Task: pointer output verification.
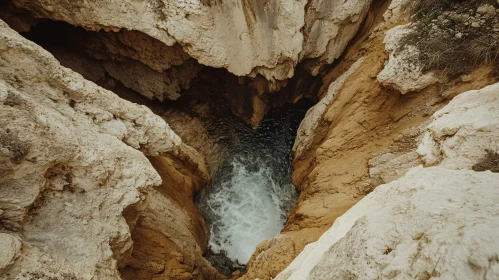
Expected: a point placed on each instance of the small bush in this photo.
(490, 162)
(453, 36)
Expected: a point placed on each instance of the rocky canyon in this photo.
(248, 139)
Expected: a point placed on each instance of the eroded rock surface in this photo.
(73, 163)
(329, 27)
(11, 250)
(135, 60)
(217, 34)
(432, 222)
(76, 184)
(264, 41)
(463, 132)
(368, 136)
(239, 36)
(402, 71)
(308, 126)
(193, 131)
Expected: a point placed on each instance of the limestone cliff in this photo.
(238, 35)
(262, 40)
(75, 181)
(464, 132)
(393, 162)
(433, 222)
(365, 131)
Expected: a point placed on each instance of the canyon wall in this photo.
(156, 48)
(365, 132)
(245, 37)
(261, 40)
(93, 186)
(76, 185)
(439, 221)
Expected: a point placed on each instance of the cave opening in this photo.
(250, 194)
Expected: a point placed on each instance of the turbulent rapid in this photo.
(251, 194)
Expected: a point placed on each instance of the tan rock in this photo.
(152, 84)
(391, 166)
(77, 184)
(232, 35)
(461, 134)
(329, 27)
(10, 246)
(432, 221)
(238, 36)
(403, 71)
(434, 210)
(368, 136)
(487, 10)
(264, 41)
(134, 59)
(399, 11)
(312, 120)
(193, 131)
(74, 178)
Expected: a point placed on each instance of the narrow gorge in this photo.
(245, 139)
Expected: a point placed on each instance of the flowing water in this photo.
(252, 194)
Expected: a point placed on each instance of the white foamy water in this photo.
(251, 194)
(250, 207)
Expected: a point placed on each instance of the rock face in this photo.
(308, 127)
(139, 62)
(433, 222)
(69, 181)
(264, 41)
(366, 136)
(217, 34)
(400, 71)
(463, 132)
(169, 236)
(240, 36)
(11, 249)
(426, 224)
(399, 11)
(95, 187)
(193, 132)
(329, 27)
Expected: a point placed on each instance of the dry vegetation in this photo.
(490, 162)
(455, 36)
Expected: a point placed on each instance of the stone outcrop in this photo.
(426, 223)
(264, 41)
(433, 222)
(139, 62)
(240, 36)
(367, 136)
(399, 11)
(329, 27)
(463, 132)
(402, 70)
(217, 34)
(74, 179)
(95, 187)
(193, 131)
(11, 250)
(309, 125)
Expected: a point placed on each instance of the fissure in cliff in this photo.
(250, 194)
